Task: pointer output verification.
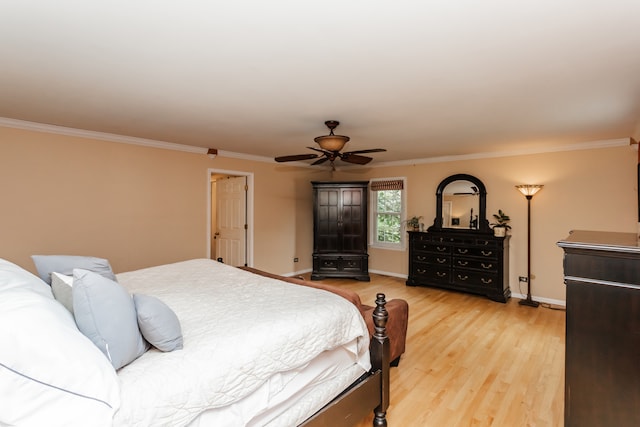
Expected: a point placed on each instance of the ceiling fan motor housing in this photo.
(332, 124)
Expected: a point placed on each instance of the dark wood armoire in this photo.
(340, 230)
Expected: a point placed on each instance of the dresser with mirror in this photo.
(459, 251)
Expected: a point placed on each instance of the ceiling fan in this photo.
(330, 147)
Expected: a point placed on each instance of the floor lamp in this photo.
(529, 191)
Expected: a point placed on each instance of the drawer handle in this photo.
(441, 260)
(462, 251)
(421, 258)
(441, 248)
(487, 253)
(484, 242)
(421, 271)
(486, 281)
(441, 274)
(486, 266)
(463, 263)
(352, 263)
(461, 277)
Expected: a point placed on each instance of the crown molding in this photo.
(103, 136)
(620, 142)
(244, 156)
(123, 139)
(111, 137)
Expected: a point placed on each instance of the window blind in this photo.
(391, 184)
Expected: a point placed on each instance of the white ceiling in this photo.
(422, 79)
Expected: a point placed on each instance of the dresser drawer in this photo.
(351, 263)
(488, 253)
(489, 265)
(464, 277)
(432, 258)
(338, 263)
(326, 264)
(427, 273)
(488, 243)
(438, 248)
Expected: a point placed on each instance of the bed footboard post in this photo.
(380, 354)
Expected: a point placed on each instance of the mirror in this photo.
(461, 204)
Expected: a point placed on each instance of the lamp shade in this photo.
(528, 189)
(332, 142)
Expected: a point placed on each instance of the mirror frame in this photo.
(483, 223)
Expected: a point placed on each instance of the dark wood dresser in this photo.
(468, 262)
(602, 364)
(340, 230)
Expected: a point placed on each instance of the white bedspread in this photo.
(239, 329)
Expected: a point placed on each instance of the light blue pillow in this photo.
(105, 313)
(64, 264)
(158, 323)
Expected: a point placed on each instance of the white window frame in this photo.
(373, 213)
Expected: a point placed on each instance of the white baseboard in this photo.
(551, 301)
(383, 273)
(386, 273)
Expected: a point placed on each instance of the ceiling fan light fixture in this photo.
(330, 149)
(332, 142)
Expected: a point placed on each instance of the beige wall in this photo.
(584, 189)
(141, 206)
(137, 206)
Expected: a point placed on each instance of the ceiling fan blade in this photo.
(354, 158)
(320, 161)
(371, 150)
(295, 157)
(320, 150)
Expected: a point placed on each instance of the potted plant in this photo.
(413, 222)
(500, 226)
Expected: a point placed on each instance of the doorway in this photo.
(230, 217)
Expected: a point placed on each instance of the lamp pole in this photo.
(529, 191)
(529, 302)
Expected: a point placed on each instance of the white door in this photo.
(231, 213)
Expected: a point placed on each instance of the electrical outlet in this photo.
(295, 259)
(523, 279)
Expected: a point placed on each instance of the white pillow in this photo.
(12, 276)
(62, 286)
(106, 314)
(50, 374)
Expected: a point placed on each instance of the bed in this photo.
(253, 351)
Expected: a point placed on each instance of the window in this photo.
(387, 211)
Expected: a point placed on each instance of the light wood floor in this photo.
(471, 361)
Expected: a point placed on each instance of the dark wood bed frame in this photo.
(370, 392)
